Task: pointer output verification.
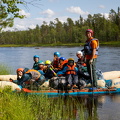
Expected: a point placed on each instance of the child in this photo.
(70, 72)
(41, 67)
(48, 70)
(36, 60)
(55, 61)
(62, 63)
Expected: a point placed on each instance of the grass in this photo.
(19, 106)
(110, 43)
(4, 70)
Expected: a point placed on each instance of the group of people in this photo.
(60, 66)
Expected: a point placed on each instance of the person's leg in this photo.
(41, 80)
(82, 75)
(68, 79)
(94, 73)
(74, 79)
(88, 68)
(93, 67)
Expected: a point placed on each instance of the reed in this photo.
(19, 106)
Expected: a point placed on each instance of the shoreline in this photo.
(111, 44)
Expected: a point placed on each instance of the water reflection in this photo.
(96, 107)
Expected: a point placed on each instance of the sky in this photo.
(49, 10)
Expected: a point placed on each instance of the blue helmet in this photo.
(57, 54)
(41, 62)
(36, 56)
(62, 58)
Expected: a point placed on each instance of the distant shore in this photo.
(111, 43)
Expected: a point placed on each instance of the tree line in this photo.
(105, 29)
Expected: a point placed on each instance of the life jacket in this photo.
(81, 62)
(71, 70)
(64, 63)
(35, 66)
(88, 49)
(55, 63)
(35, 74)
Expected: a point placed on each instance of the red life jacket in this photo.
(56, 63)
(61, 66)
(71, 70)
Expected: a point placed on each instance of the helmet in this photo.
(19, 69)
(57, 54)
(90, 30)
(25, 70)
(40, 62)
(79, 52)
(62, 58)
(70, 59)
(48, 62)
(36, 56)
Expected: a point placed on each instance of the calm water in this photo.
(107, 107)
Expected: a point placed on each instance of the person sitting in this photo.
(81, 65)
(41, 67)
(81, 59)
(62, 63)
(29, 76)
(70, 72)
(55, 61)
(19, 73)
(36, 60)
(48, 70)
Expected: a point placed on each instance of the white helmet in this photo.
(79, 52)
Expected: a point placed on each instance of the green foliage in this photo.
(9, 11)
(69, 32)
(18, 106)
(4, 70)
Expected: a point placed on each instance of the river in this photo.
(108, 60)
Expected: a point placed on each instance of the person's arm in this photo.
(94, 46)
(62, 71)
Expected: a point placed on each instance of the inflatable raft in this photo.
(11, 85)
(110, 84)
(73, 92)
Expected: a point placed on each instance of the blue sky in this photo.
(48, 10)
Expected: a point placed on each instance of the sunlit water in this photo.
(108, 107)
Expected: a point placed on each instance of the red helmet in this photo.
(19, 69)
(90, 30)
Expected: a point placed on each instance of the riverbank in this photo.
(111, 43)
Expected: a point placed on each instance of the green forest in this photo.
(105, 29)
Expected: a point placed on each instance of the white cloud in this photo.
(22, 12)
(106, 15)
(47, 20)
(101, 6)
(48, 13)
(77, 10)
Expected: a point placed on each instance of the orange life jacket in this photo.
(63, 64)
(71, 70)
(35, 74)
(84, 64)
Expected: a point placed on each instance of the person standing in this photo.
(91, 53)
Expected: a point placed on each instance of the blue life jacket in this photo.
(88, 49)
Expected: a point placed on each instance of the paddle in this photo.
(53, 71)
